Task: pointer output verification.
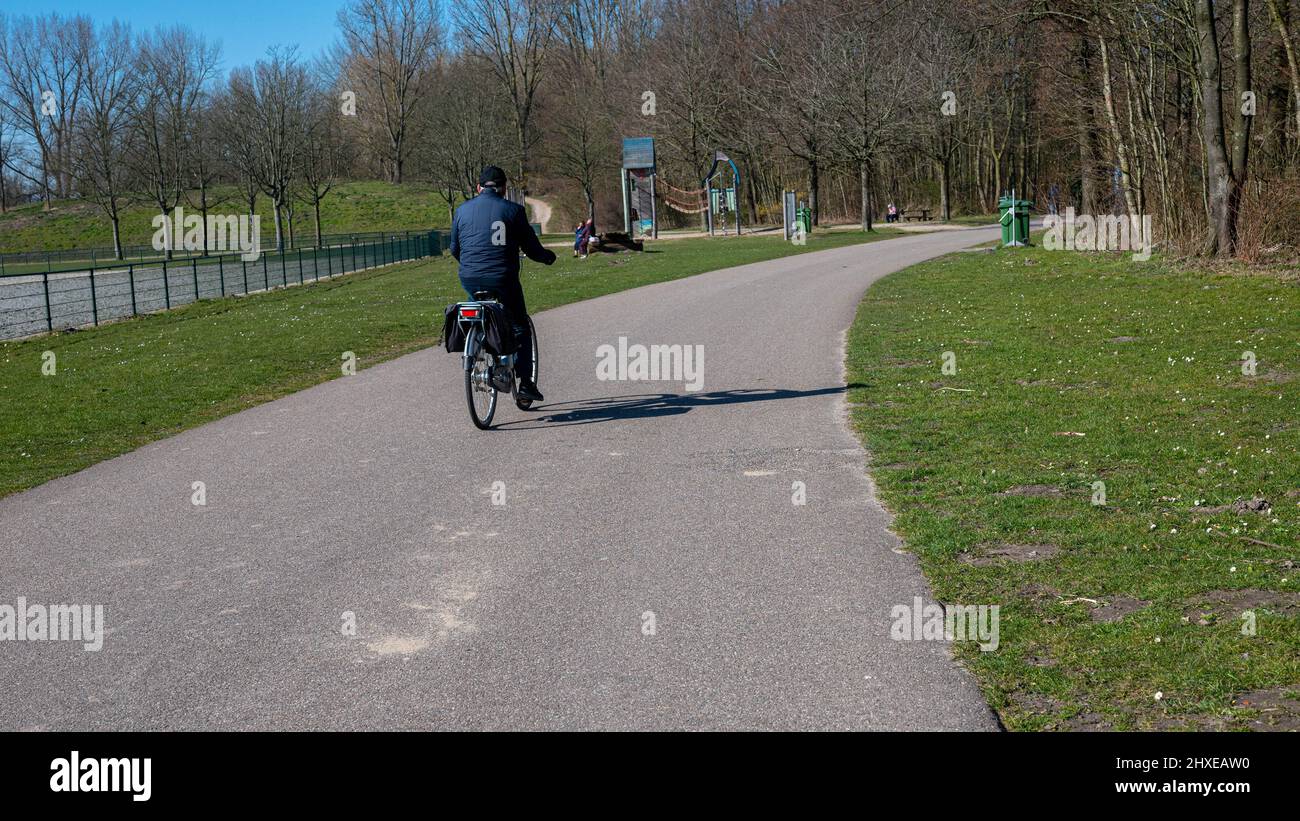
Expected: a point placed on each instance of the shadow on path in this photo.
(643, 406)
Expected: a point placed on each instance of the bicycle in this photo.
(486, 374)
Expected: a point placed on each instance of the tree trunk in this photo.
(814, 191)
(203, 211)
(167, 232)
(1278, 13)
(279, 237)
(1243, 121)
(866, 195)
(1219, 182)
(944, 206)
(117, 236)
(315, 207)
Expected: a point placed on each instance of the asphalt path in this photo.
(628, 555)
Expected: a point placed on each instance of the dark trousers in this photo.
(511, 295)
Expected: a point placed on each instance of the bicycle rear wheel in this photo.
(525, 404)
(480, 395)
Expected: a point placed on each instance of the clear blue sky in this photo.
(245, 28)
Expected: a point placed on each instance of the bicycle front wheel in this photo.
(480, 394)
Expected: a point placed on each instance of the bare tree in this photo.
(40, 67)
(462, 123)
(870, 96)
(513, 38)
(175, 66)
(322, 152)
(207, 161)
(270, 101)
(103, 134)
(389, 48)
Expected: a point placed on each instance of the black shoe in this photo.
(527, 390)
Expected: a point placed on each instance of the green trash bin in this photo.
(804, 217)
(1013, 215)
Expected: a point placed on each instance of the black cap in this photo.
(491, 175)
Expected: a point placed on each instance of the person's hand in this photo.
(551, 257)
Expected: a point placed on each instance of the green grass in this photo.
(351, 206)
(120, 386)
(974, 219)
(1145, 360)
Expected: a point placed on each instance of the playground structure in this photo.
(640, 180)
(722, 201)
(638, 176)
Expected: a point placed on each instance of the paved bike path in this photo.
(626, 504)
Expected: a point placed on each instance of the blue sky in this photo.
(245, 28)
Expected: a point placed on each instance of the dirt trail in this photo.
(541, 213)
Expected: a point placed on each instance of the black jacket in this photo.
(477, 223)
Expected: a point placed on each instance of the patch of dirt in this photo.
(1278, 708)
(1197, 723)
(1207, 608)
(1009, 552)
(1039, 704)
(1038, 592)
(1256, 504)
(1273, 377)
(1033, 490)
(1116, 608)
(1086, 723)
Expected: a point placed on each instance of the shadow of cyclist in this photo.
(644, 406)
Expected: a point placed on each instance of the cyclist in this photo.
(487, 234)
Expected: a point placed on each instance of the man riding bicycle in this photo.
(487, 234)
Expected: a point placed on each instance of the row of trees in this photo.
(145, 118)
(1185, 109)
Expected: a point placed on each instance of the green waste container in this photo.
(804, 217)
(1013, 214)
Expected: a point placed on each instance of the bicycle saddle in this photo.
(485, 296)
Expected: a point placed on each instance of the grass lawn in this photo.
(1077, 369)
(120, 386)
(351, 206)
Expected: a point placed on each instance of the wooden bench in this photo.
(912, 216)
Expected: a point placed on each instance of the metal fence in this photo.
(55, 300)
(105, 256)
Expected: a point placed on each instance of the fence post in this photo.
(299, 266)
(221, 272)
(130, 272)
(94, 303)
(329, 262)
(315, 263)
(266, 278)
(167, 288)
(354, 254)
(49, 318)
(244, 263)
(194, 269)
